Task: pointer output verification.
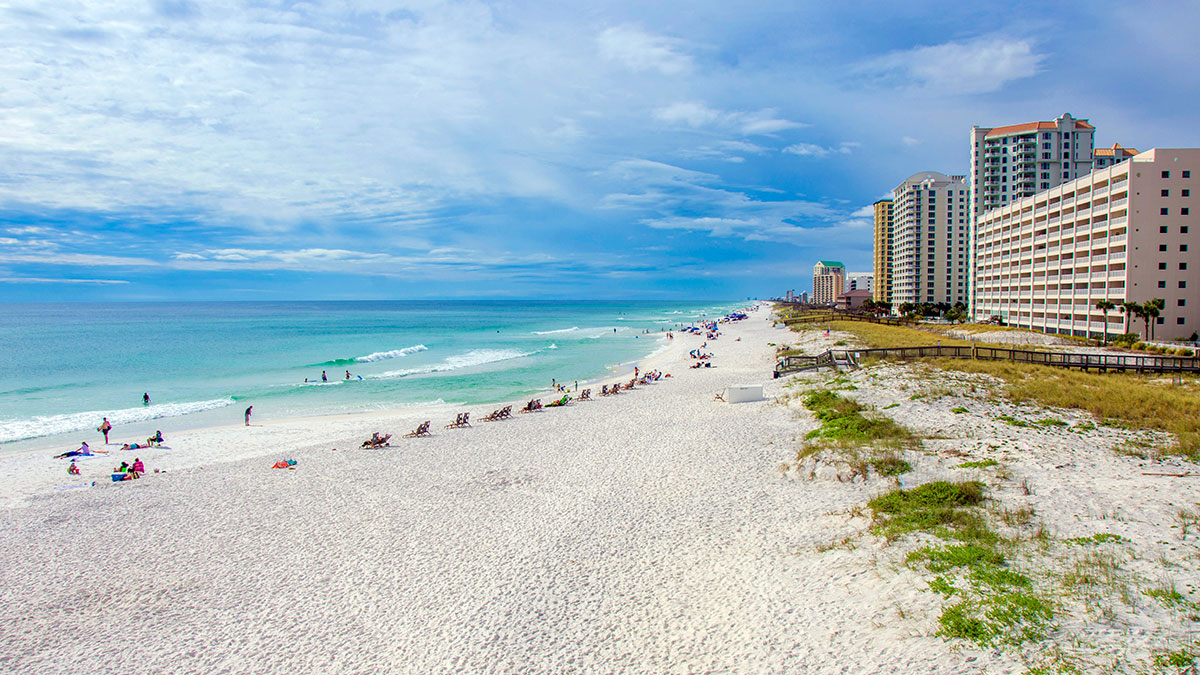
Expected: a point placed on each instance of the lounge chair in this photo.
(585, 395)
(532, 406)
(506, 412)
(460, 421)
(421, 430)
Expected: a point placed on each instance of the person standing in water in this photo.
(347, 374)
(323, 377)
(145, 399)
(248, 411)
(104, 428)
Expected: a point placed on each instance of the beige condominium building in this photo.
(882, 253)
(1015, 161)
(1121, 233)
(829, 281)
(930, 245)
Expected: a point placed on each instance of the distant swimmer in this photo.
(347, 374)
(323, 377)
(145, 399)
(248, 411)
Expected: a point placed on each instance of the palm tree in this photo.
(1141, 311)
(1104, 306)
(1153, 308)
(1131, 310)
(906, 308)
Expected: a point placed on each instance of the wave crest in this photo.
(49, 425)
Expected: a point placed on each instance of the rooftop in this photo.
(831, 263)
(1035, 126)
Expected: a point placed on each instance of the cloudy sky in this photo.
(262, 150)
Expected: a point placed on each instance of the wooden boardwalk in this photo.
(1135, 363)
(839, 316)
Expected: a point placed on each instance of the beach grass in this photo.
(1126, 399)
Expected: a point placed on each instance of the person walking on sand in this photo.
(248, 411)
(104, 428)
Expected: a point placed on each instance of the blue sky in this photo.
(302, 150)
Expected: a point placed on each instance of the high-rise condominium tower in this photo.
(1015, 161)
(930, 244)
(882, 291)
(829, 281)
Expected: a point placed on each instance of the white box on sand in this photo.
(742, 393)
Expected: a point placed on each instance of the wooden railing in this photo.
(1102, 362)
(846, 316)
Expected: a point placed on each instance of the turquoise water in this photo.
(64, 366)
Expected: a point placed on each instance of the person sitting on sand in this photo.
(155, 439)
(73, 470)
(138, 466)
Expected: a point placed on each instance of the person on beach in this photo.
(138, 466)
(73, 470)
(146, 399)
(248, 411)
(104, 428)
(347, 374)
(323, 377)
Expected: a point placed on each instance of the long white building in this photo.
(1123, 232)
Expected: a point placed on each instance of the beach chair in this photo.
(421, 430)
(585, 395)
(604, 390)
(460, 421)
(506, 412)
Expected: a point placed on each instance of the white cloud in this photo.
(42, 280)
(976, 66)
(747, 123)
(813, 150)
(909, 140)
(640, 51)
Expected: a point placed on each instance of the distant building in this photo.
(829, 281)
(1121, 233)
(883, 250)
(853, 299)
(1106, 157)
(859, 281)
(930, 246)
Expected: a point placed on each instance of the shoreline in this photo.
(31, 471)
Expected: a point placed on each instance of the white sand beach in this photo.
(655, 531)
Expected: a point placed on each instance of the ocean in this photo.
(65, 366)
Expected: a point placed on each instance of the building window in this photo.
(1162, 212)
(1161, 320)
(1186, 193)
(1183, 211)
(1181, 302)
(1183, 230)
(1162, 284)
(1162, 265)
(1183, 266)
(1183, 284)
(1166, 193)
(1187, 174)
(1183, 248)
(1167, 174)
(1162, 247)
(1179, 320)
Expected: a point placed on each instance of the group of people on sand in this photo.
(131, 471)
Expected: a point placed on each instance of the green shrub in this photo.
(930, 506)
(981, 464)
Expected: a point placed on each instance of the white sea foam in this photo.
(572, 329)
(48, 425)
(552, 346)
(475, 357)
(395, 353)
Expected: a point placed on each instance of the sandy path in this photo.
(649, 532)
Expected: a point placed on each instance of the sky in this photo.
(186, 150)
